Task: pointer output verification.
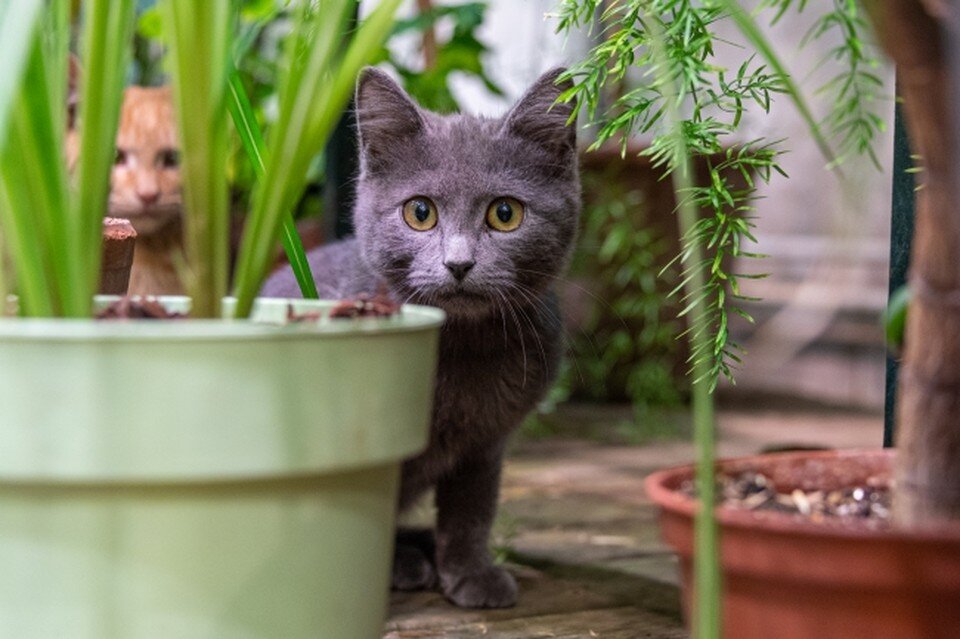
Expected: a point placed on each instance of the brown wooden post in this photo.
(117, 257)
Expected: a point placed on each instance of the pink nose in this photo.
(149, 197)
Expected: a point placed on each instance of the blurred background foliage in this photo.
(625, 347)
(428, 79)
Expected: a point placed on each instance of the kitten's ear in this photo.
(538, 117)
(386, 118)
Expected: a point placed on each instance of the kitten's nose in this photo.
(459, 269)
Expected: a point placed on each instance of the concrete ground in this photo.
(577, 530)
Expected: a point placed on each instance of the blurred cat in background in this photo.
(145, 188)
(144, 183)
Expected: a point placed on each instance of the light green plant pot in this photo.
(206, 479)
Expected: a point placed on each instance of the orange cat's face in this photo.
(145, 181)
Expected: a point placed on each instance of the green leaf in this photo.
(150, 24)
(312, 99)
(18, 19)
(34, 180)
(245, 123)
(200, 46)
(105, 47)
(895, 317)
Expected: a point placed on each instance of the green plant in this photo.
(50, 228)
(625, 346)
(51, 224)
(689, 104)
(262, 28)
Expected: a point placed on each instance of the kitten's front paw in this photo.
(412, 569)
(489, 587)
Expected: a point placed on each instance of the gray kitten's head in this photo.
(469, 214)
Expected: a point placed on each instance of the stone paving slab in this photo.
(555, 601)
(614, 623)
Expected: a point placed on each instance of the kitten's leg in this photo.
(466, 506)
(414, 555)
(414, 560)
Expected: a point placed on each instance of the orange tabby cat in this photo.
(145, 188)
(144, 183)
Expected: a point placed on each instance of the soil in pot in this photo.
(865, 504)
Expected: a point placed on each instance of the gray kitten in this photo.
(478, 217)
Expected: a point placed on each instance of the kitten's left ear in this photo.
(538, 117)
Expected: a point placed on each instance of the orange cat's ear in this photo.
(73, 89)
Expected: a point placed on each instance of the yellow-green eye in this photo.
(505, 214)
(420, 214)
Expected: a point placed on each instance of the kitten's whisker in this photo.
(536, 336)
(606, 304)
(566, 336)
(534, 302)
(516, 322)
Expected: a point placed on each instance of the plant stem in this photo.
(706, 599)
(751, 30)
(707, 574)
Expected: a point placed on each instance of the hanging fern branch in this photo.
(852, 122)
(714, 101)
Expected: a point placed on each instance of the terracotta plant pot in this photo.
(787, 577)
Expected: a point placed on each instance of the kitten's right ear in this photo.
(386, 118)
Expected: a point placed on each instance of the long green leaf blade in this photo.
(311, 104)
(247, 127)
(310, 55)
(18, 19)
(200, 35)
(706, 620)
(105, 48)
(18, 25)
(34, 175)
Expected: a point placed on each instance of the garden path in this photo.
(580, 535)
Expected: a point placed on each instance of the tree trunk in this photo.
(928, 405)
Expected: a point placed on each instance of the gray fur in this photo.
(500, 347)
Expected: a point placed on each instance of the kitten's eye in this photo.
(420, 214)
(168, 158)
(505, 214)
(120, 158)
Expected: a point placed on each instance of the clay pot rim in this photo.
(661, 488)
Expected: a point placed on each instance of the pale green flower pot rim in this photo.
(270, 322)
(160, 401)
